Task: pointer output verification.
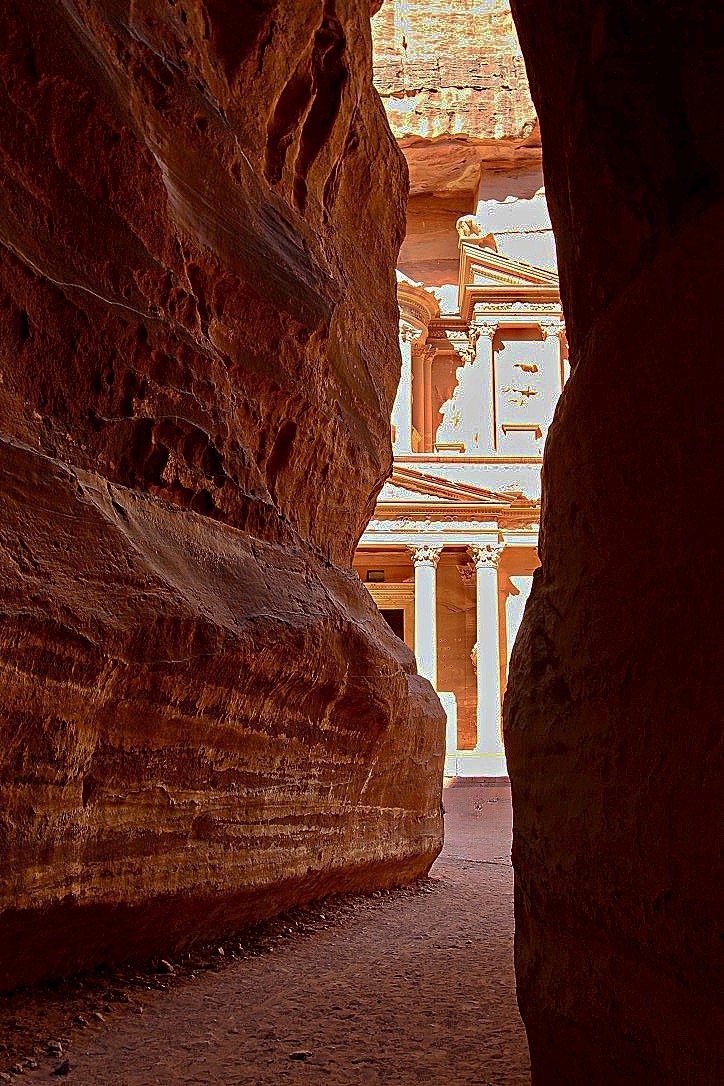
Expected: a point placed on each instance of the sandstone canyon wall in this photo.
(204, 718)
(613, 712)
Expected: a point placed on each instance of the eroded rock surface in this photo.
(613, 710)
(453, 82)
(204, 718)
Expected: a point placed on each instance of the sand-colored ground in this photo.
(400, 989)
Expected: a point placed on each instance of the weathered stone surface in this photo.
(453, 82)
(613, 710)
(204, 719)
(454, 87)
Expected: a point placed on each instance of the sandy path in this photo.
(401, 989)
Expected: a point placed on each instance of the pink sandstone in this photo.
(453, 82)
(206, 720)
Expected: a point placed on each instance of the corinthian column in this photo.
(489, 742)
(425, 558)
(484, 363)
(552, 330)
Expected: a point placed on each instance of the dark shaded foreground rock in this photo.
(613, 711)
(204, 718)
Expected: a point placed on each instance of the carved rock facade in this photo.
(613, 709)
(204, 719)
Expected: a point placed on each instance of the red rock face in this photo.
(613, 710)
(205, 718)
(454, 86)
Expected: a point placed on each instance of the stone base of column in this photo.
(473, 763)
(450, 705)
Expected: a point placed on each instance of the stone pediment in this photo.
(487, 276)
(482, 266)
(406, 486)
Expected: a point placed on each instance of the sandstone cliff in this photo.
(204, 717)
(613, 709)
(453, 82)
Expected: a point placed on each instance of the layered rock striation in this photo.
(613, 709)
(204, 718)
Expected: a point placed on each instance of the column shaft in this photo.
(489, 740)
(427, 377)
(418, 395)
(402, 409)
(425, 558)
(485, 363)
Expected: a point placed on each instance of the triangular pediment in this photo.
(485, 267)
(407, 486)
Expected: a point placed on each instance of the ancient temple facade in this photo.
(450, 552)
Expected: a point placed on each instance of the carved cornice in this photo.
(418, 306)
(502, 296)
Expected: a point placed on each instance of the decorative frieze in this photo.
(516, 307)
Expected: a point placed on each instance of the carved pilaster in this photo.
(485, 328)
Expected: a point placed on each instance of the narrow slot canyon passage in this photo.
(413, 986)
(358, 429)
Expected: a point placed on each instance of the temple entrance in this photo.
(395, 619)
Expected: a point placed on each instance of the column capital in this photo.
(486, 555)
(551, 329)
(484, 328)
(425, 554)
(409, 333)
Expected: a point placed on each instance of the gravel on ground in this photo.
(405, 988)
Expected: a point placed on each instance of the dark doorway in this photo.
(395, 619)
